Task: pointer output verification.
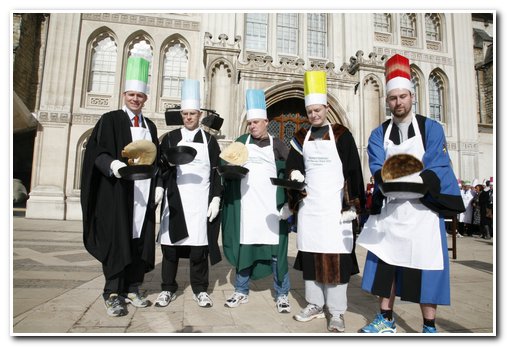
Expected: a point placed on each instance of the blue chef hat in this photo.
(255, 104)
(190, 95)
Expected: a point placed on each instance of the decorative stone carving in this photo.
(408, 41)
(383, 37)
(97, 101)
(85, 119)
(222, 42)
(123, 18)
(53, 117)
(221, 64)
(415, 55)
(434, 45)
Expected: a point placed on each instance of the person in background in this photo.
(189, 223)
(486, 210)
(254, 226)
(325, 157)
(465, 218)
(476, 215)
(369, 201)
(119, 214)
(406, 238)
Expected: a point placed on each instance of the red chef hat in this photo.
(398, 73)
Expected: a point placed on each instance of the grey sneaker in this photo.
(203, 299)
(236, 299)
(137, 300)
(164, 298)
(336, 324)
(282, 304)
(310, 312)
(115, 306)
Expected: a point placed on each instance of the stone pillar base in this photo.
(46, 202)
(74, 211)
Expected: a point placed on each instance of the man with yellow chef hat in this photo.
(325, 157)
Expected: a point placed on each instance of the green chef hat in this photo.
(137, 74)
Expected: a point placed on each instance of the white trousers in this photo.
(334, 296)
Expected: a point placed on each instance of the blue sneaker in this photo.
(380, 325)
(428, 329)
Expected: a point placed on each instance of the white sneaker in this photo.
(164, 298)
(336, 324)
(137, 300)
(236, 299)
(203, 299)
(282, 304)
(310, 312)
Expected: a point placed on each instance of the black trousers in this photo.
(199, 268)
(132, 276)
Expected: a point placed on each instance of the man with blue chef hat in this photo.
(254, 225)
(190, 195)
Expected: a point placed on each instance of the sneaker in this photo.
(137, 300)
(310, 312)
(380, 325)
(336, 324)
(164, 298)
(282, 304)
(428, 329)
(115, 306)
(203, 299)
(236, 299)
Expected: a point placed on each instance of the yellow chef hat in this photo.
(315, 88)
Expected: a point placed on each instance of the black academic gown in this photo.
(167, 179)
(107, 202)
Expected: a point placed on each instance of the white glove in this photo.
(348, 216)
(159, 194)
(285, 212)
(296, 175)
(115, 166)
(214, 207)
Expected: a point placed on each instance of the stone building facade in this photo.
(85, 57)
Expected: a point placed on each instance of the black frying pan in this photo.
(232, 172)
(179, 155)
(294, 185)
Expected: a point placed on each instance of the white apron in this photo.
(193, 180)
(405, 233)
(259, 214)
(319, 217)
(141, 187)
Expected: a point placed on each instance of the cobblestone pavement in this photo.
(57, 285)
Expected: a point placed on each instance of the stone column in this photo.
(47, 198)
(465, 109)
(220, 60)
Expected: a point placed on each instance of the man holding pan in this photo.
(190, 194)
(325, 157)
(405, 234)
(254, 226)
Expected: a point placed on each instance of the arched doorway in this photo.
(286, 117)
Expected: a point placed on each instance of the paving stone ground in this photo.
(57, 285)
